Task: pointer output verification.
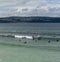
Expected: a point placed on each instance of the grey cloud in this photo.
(29, 8)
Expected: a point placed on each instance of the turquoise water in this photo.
(29, 54)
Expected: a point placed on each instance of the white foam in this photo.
(23, 36)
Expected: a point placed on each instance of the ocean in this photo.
(30, 27)
(40, 28)
(12, 51)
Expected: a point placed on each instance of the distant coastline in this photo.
(35, 19)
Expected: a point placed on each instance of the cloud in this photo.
(29, 8)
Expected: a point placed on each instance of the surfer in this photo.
(57, 40)
(25, 42)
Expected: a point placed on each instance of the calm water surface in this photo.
(31, 27)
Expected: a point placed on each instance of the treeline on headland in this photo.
(16, 19)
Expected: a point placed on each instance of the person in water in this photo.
(49, 41)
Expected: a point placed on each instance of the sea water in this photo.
(40, 28)
(12, 53)
(31, 27)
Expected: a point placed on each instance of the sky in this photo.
(30, 8)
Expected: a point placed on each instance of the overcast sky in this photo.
(29, 8)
